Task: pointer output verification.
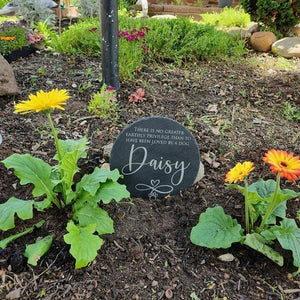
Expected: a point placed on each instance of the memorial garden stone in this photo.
(157, 157)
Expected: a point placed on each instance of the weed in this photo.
(291, 112)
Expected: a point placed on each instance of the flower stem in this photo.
(58, 151)
(246, 207)
(272, 205)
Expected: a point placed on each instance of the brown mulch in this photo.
(236, 113)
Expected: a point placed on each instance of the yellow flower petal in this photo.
(287, 165)
(43, 101)
(239, 172)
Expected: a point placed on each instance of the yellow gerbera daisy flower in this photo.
(239, 172)
(287, 165)
(43, 101)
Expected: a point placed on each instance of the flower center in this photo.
(283, 164)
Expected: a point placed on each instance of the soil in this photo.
(236, 113)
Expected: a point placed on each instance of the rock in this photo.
(164, 17)
(15, 294)
(8, 83)
(200, 174)
(296, 30)
(226, 257)
(107, 151)
(243, 32)
(262, 41)
(287, 47)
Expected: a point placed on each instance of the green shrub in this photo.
(228, 17)
(13, 36)
(275, 15)
(3, 3)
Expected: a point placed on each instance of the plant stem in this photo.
(58, 152)
(272, 205)
(246, 207)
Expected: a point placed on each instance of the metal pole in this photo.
(109, 42)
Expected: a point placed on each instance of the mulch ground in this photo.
(235, 112)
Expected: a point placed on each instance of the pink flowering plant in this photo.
(137, 96)
(132, 51)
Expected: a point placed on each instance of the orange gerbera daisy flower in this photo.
(239, 172)
(287, 165)
(7, 38)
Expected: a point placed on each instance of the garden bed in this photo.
(235, 112)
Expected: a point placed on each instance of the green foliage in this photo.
(216, 229)
(232, 16)
(266, 204)
(275, 15)
(34, 11)
(3, 3)
(89, 8)
(291, 112)
(104, 103)
(35, 251)
(16, 31)
(56, 185)
(84, 244)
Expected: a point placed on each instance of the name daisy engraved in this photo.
(157, 156)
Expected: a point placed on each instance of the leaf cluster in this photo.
(16, 30)
(275, 15)
(216, 229)
(55, 185)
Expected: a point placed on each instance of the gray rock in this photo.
(287, 47)
(107, 150)
(243, 32)
(8, 83)
(200, 174)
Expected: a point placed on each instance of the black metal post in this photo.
(109, 42)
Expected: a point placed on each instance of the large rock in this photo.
(8, 83)
(287, 47)
(262, 41)
(296, 30)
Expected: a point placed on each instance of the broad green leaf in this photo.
(42, 205)
(264, 189)
(112, 190)
(94, 215)
(91, 182)
(5, 242)
(69, 146)
(253, 197)
(261, 207)
(23, 208)
(258, 243)
(35, 251)
(32, 170)
(84, 244)
(288, 235)
(216, 229)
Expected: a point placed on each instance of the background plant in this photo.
(54, 185)
(232, 16)
(265, 212)
(277, 16)
(34, 11)
(18, 32)
(104, 103)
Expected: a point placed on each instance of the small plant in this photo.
(228, 17)
(13, 36)
(104, 103)
(137, 96)
(291, 112)
(265, 206)
(54, 185)
(132, 51)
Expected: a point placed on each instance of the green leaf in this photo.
(69, 146)
(23, 208)
(258, 243)
(71, 152)
(91, 182)
(216, 229)
(288, 235)
(35, 251)
(94, 215)
(84, 244)
(5, 242)
(264, 189)
(260, 210)
(112, 190)
(32, 170)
